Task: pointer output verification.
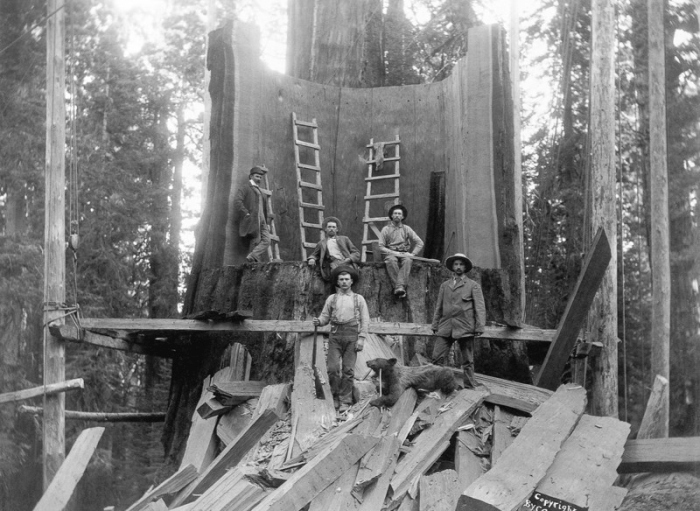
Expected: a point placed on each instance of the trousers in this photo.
(466, 348)
(341, 362)
(398, 274)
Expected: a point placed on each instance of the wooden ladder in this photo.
(273, 251)
(376, 177)
(309, 188)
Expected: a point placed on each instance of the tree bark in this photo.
(600, 207)
(660, 262)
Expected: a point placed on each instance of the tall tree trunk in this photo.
(336, 42)
(600, 206)
(660, 265)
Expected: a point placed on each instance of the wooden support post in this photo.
(658, 181)
(46, 390)
(589, 280)
(66, 478)
(54, 445)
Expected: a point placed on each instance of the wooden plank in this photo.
(48, 390)
(523, 465)
(501, 434)
(576, 312)
(200, 449)
(234, 490)
(72, 333)
(587, 462)
(519, 396)
(99, 416)
(231, 393)
(311, 415)
(66, 479)
(273, 397)
(172, 484)
(315, 476)
(228, 458)
(165, 326)
(467, 464)
(212, 407)
(439, 491)
(375, 463)
(158, 505)
(660, 455)
(375, 493)
(654, 423)
(432, 441)
(231, 424)
(337, 496)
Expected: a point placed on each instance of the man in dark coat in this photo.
(251, 207)
(460, 315)
(333, 251)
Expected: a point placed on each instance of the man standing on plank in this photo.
(460, 315)
(349, 318)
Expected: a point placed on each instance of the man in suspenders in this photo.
(349, 318)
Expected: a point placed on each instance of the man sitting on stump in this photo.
(349, 318)
(398, 243)
(460, 315)
(333, 251)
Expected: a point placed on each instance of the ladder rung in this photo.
(377, 178)
(312, 206)
(393, 142)
(266, 192)
(393, 158)
(310, 167)
(309, 245)
(310, 225)
(308, 124)
(378, 219)
(307, 144)
(274, 237)
(304, 184)
(382, 196)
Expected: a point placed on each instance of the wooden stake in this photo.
(46, 390)
(54, 448)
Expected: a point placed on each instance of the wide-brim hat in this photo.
(398, 206)
(344, 269)
(333, 219)
(258, 169)
(450, 261)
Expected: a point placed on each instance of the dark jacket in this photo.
(459, 310)
(246, 208)
(320, 254)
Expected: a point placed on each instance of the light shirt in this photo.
(399, 239)
(333, 249)
(458, 280)
(344, 311)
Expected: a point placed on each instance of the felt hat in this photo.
(333, 219)
(258, 169)
(398, 206)
(450, 261)
(344, 269)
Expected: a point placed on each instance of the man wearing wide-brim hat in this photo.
(250, 207)
(334, 250)
(349, 318)
(460, 315)
(397, 243)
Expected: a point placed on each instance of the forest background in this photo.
(135, 133)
